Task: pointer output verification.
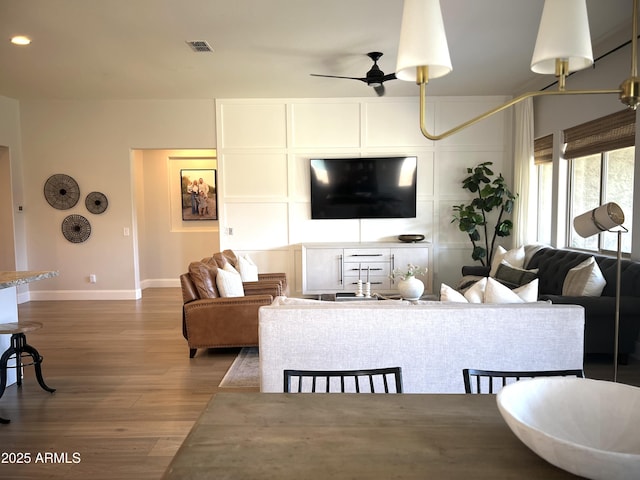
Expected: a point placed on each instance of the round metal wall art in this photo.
(96, 202)
(61, 191)
(76, 228)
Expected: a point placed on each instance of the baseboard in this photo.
(160, 283)
(40, 295)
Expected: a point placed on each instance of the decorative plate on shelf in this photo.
(76, 228)
(61, 191)
(411, 238)
(96, 202)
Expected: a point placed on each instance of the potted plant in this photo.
(410, 287)
(492, 196)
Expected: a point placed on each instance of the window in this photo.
(601, 156)
(543, 154)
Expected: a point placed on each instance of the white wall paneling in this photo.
(252, 125)
(270, 211)
(256, 226)
(395, 123)
(255, 175)
(325, 124)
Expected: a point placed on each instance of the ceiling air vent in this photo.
(200, 46)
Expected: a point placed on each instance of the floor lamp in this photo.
(603, 219)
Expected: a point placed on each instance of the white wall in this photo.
(264, 147)
(14, 250)
(94, 142)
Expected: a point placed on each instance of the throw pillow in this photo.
(489, 290)
(248, 269)
(229, 283)
(515, 258)
(514, 277)
(528, 292)
(495, 292)
(585, 279)
(475, 294)
(448, 294)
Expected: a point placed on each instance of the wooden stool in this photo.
(19, 349)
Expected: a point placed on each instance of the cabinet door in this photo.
(402, 256)
(323, 270)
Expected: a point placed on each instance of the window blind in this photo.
(612, 132)
(543, 149)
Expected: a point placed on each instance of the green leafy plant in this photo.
(491, 194)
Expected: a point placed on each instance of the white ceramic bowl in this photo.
(588, 427)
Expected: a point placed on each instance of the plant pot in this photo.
(411, 288)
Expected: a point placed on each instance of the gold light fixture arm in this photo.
(631, 86)
(629, 90)
(518, 99)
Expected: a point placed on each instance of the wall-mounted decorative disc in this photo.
(61, 191)
(76, 228)
(96, 202)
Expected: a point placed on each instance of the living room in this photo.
(132, 149)
(102, 143)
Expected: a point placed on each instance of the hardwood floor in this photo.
(127, 392)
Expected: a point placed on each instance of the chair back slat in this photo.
(374, 376)
(504, 376)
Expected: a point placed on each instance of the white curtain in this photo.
(524, 214)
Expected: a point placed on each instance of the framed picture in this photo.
(199, 199)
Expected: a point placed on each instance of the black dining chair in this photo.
(374, 380)
(470, 374)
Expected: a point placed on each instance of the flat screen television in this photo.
(381, 187)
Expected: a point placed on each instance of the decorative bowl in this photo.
(411, 238)
(587, 427)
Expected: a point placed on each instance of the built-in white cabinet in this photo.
(335, 268)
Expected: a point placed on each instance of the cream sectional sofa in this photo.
(431, 341)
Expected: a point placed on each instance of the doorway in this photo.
(7, 226)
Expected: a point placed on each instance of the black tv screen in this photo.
(382, 187)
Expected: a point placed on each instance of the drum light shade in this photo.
(563, 34)
(599, 220)
(423, 41)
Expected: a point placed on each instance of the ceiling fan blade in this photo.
(379, 89)
(389, 76)
(337, 76)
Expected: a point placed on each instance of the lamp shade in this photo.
(563, 34)
(599, 220)
(423, 41)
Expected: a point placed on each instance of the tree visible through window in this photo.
(601, 154)
(597, 179)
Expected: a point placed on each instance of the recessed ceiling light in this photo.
(20, 40)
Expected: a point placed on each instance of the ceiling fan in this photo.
(375, 77)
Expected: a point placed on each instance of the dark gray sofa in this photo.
(553, 265)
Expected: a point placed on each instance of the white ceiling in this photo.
(135, 49)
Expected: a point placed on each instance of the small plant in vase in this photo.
(410, 287)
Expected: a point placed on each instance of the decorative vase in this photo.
(411, 288)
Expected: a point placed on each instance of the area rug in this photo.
(244, 372)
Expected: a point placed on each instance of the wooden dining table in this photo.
(355, 436)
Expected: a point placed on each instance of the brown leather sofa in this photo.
(209, 320)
